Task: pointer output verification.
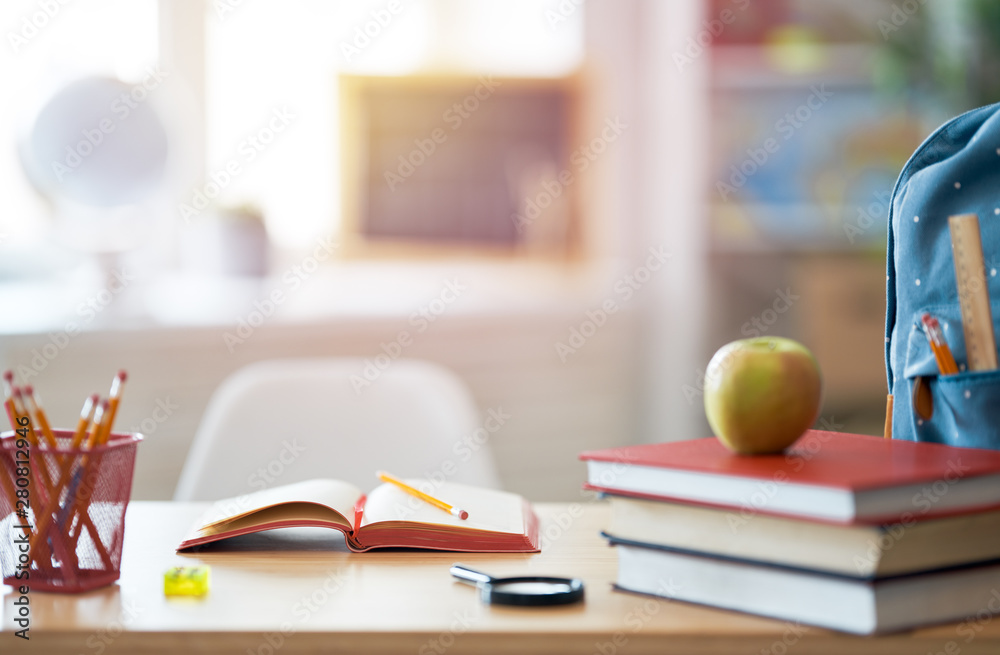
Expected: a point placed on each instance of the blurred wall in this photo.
(555, 409)
(641, 207)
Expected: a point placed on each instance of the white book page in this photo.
(337, 495)
(489, 509)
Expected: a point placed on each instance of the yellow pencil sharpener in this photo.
(187, 581)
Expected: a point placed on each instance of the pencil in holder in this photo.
(62, 511)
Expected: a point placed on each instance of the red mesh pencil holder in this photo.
(63, 511)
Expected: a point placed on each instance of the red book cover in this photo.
(834, 459)
(388, 517)
(851, 463)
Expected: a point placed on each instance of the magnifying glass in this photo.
(525, 590)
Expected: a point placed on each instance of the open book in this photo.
(388, 517)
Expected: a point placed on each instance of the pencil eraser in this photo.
(187, 581)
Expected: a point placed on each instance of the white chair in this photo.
(286, 420)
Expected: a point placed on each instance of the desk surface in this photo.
(321, 596)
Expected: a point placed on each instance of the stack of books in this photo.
(849, 532)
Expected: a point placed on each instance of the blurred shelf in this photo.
(753, 67)
(807, 221)
(792, 228)
(763, 247)
(341, 291)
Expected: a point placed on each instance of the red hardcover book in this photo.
(825, 476)
(387, 517)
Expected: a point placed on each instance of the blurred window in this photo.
(280, 62)
(272, 98)
(45, 46)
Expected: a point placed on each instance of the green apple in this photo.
(762, 394)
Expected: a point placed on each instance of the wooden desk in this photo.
(329, 599)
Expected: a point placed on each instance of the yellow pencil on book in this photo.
(440, 504)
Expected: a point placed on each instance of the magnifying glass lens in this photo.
(526, 590)
(533, 591)
(533, 588)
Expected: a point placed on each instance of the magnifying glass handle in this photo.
(470, 576)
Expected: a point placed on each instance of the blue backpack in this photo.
(955, 171)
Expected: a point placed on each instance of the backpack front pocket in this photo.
(965, 406)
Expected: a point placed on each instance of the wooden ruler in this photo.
(973, 293)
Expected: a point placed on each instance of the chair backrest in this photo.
(286, 420)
